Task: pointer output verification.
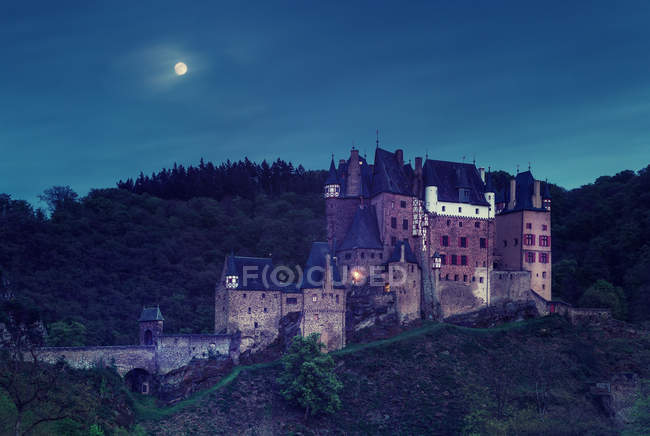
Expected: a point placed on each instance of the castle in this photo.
(403, 244)
(428, 241)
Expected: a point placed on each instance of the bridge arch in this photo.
(139, 380)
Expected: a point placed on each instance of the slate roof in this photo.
(259, 266)
(524, 190)
(449, 176)
(389, 175)
(366, 177)
(317, 259)
(332, 177)
(489, 183)
(546, 193)
(363, 232)
(151, 314)
(396, 255)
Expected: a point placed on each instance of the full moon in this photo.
(180, 68)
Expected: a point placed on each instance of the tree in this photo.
(66, 334)
(37, 390)
(308, 377)
(57, 197)
(604, 294)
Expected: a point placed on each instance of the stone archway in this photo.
(139, 380)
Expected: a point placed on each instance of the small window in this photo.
(455, 277)
(464, 277)
(529, 239)
(476, 211)
(291, 300)
(505, 243)
(256, 324)
(314, 298)
(483, 243)
(402, 204)
(393, 222)
(337, 299)
(460, 224)
(444, 208)
(445, 241)
(405, 224)
(372, 255)
(381, 255)
(477, 224)
(243, 295)
(392, 205)
(530, 257)
(473, 278)
(480, 279)
(448, 222)
(543, 257)
(249, 310)
(544, 227)
(446, 276)
(543, 286)
(363, 255)
(529, 225)
(460, 210)
(463, 260)
(393, 240)
(266, 310)
(454, 259)
(515, 242)
(443, 259)
(316, 316)
(462, 242)
(543, 274)
(348, 255)
(263, 295)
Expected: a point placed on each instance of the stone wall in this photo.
(125, 358)
(509, 285)
(339, 214)
(389, 206)
(256, 314)
(324, 313)
(407, 290)
(540, 280)
(174, 351)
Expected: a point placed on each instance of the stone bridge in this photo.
(124, 358)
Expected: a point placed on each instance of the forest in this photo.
(90, 263)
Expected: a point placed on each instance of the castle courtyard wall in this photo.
(125, 358)
(324, 313)
(174, 351)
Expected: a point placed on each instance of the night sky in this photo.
(88, 93)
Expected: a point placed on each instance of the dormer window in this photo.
(232, 282)
(463, 195)
(332, 191)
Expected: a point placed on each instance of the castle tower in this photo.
(405, 281)
(354, 188)
(151, 325)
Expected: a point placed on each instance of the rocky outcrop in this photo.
(197, 375)
(491, 316)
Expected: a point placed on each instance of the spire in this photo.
(377, 141)
(332, 177)
(489, 184)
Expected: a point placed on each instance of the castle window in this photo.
(530, 257)
(544, 227)
(477, 224)
(363, 255)
(444, 208)
(543, 274)
(392, 205)
(381, 255)
(544, 241)
(480, 279)
(460, 210)
(460, 224)
(348, 255)
(316, 316)
(446, 276)
(291, 300)
(266, 310)
(476, 211)
(529, 226)
(462, 242)
(263, 295)
(463, 260)
(445, 241)
(243, 295)
(516, 241)
(443, 259)
(148, 337)
(473, 278)
(256, 324)
(482, 243)
(505, 243)
(249, 310)
(543, 257)
(529, 239)
(393, 240)
(402, 204)
(314, 298)
(372, 255)
(464, 277)
(454, 259)
(543, 286)
(455, 277)
(448, 222)
(337, 299)
(405, 224)
(393, 222)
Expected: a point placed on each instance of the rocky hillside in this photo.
(530, 377)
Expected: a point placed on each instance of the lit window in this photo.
(314, 298)
(232, 282)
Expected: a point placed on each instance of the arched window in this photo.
(148, 337)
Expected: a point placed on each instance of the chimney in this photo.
(399, 154)
(537, 196)
(354, 174)
(402, 257)
(513, 191)
(418, 165)
(482, 172)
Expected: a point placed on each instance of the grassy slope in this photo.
(437, 379)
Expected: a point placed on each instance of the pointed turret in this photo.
(332, 184)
